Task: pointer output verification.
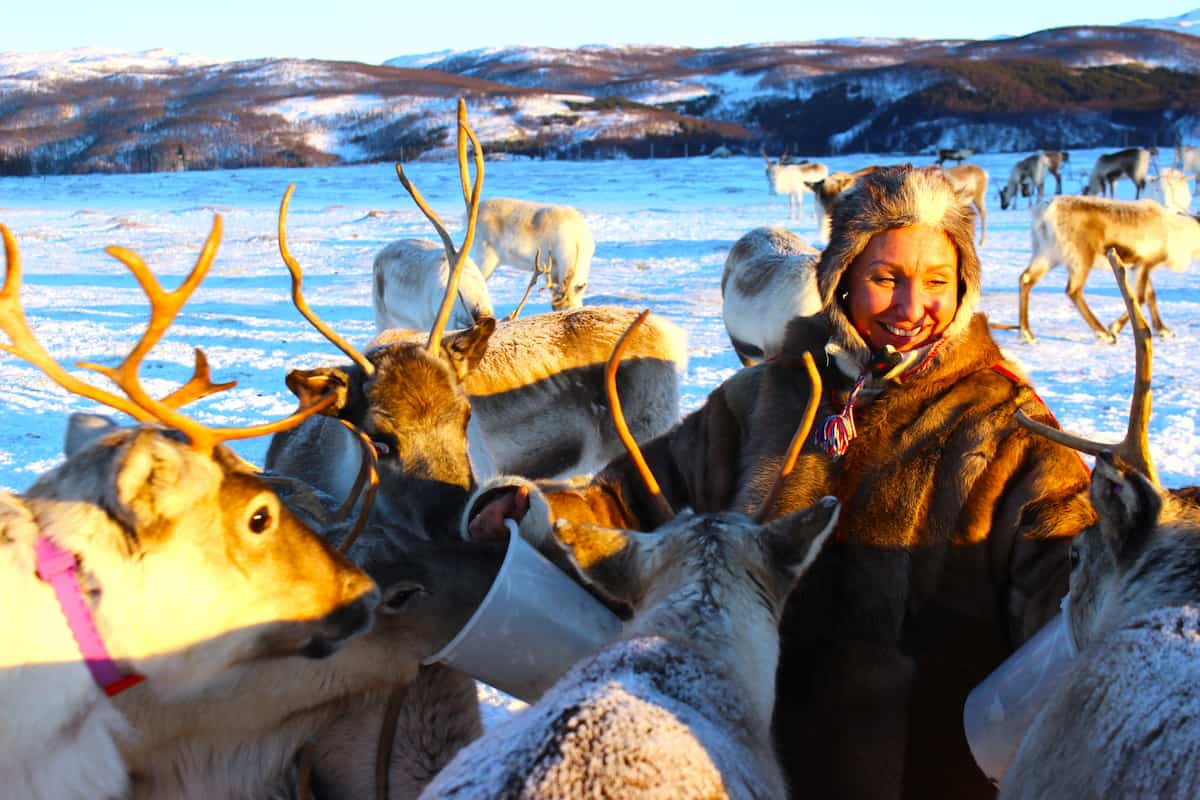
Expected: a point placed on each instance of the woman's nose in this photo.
(909, 302)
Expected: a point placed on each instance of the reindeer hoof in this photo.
(1165, 333)
(1027, 336)
(1107, 337)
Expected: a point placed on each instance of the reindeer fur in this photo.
(409, 282)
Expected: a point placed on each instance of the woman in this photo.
(951, 547)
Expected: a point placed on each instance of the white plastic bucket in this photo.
(533, 625)
(1000, 710)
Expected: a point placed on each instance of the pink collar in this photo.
(57, 567)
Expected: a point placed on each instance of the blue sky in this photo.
(370, 31)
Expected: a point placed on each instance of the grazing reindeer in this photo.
(1027, 175)
(785, 178)
(957, 155)
(1054, 165)
(1132, 163)
(1124, 721)
(680, 704)
(1075, 231)
(168, 558)
(515, 232)
(769, 278)
(410, 277)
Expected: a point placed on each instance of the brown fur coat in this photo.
(950, 551)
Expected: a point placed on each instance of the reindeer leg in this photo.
(1075, 285)
(1145, 295)
(1036, 270)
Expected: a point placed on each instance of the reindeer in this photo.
(516, 232)
(410, 277)
(957, 155)
(1170, 187)
(1124, 721)
(792, 179)
(769, 278)
(172, 562)
(1187, 159)
(1027, 175)
(826, 190)
(1055, 159)
(1133, 163)
(1075, 231)
(680, 704)
(532, 384)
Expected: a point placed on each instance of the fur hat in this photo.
(895, 197)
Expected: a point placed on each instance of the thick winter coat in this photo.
(952, 545)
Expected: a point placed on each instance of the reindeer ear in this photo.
(311, 385)
(1127, 504)
(465, 349)
(606, 558)
(83, 429)
(155, 480)
(794, 541)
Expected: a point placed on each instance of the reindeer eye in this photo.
(1074, 557)
(260, 520)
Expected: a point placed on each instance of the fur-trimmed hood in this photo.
(894, 197)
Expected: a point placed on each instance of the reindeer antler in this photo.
(798, 438)
(298, 297)
(457, 257)
(538, 271)
(1134, 449)
(164, 307)
(663, 508)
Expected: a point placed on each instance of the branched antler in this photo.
(298, 296)
(538, 271)
(1134, 449)
(164, 307)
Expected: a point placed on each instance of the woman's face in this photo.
(904, 287)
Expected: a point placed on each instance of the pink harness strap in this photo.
(57, 567)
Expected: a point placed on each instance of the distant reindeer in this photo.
(1075, 231)
(515, 232)
(1132, 163)
(769, 278)
(680, 704)
(1125, 719)
(1029, 174)
(1187, 159)
(1170, 187)
(957, 155)
(826, 190)
(148, 554)
(792, 179)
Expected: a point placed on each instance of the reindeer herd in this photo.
(182, 623)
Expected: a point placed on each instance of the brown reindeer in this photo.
(169, 559)
(1075, 231)
(957, 155)
(1124, 720)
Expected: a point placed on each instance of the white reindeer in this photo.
(168, 560)
(1075, 231)
(1124, 720)
(410, 277)
(515, 232)
(792, 179)
(1132, 163)
(1170, 187)
(769, 278)
(1187, 158)
(1027, 176)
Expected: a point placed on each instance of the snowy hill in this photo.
(1184, 23)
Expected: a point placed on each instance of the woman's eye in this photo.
(1074, 557)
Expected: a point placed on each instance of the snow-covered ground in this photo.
(662, 229)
